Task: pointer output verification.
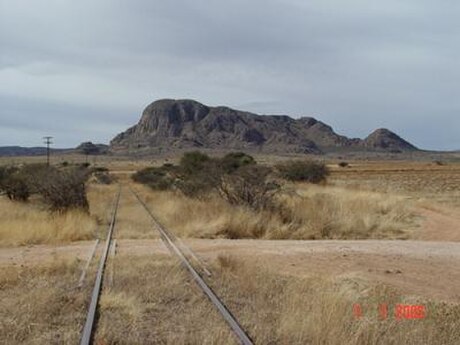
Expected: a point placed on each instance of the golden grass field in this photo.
(151, 299)
(317, 212)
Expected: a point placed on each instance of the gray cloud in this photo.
(87, 68)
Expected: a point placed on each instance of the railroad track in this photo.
(170, 241)
(90, 322)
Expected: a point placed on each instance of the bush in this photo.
(198, 175)
(102, 177)
(197, 186)
(100, 169)
(202, 181)
(343, 164)
(62, 190)
(249, 186)
(193, 161)
(303, 171)
(235, 160)
(14, 184)
(155, 178)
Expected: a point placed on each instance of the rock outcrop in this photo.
(168, 125)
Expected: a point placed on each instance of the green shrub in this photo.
(235, 177)
(235, 160)
(194, 161)
(156, 178)
(196, 186)
(303, 171)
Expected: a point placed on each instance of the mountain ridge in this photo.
(169, 124)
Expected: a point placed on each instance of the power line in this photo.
(48, 142)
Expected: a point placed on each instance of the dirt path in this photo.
(439, 225)
(420, 268)
(428, 269)
(33, 254)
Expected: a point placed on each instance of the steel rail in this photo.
(189, 251)
(88, 262)
(166, 236)
(91, 316)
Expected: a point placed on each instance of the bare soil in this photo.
(440, 224)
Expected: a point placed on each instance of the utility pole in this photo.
(48, 142)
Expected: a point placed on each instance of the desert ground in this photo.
(377, 233)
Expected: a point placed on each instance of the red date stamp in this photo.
(400, 312)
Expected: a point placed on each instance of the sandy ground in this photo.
(440, 224)
(420, 268)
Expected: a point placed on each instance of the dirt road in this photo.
(419, 268)
(439, 224)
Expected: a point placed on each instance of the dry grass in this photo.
(331, 212)
(160, 305)
(101, 199)
(39, 304)
(153, 301)
(23, 224)
(163, 306)
(133, 222)
(280, 309)
(425, 181)
(29, 223)
(307, 212)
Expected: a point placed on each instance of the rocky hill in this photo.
(88, 148)
(168, 125)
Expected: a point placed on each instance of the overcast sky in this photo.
(84, 70)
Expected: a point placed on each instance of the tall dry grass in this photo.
(40, 305)
(332, 212)
(23, 224)
(29, 223)
(280, 309)
(303, 212)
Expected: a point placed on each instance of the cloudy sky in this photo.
(84, 70)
